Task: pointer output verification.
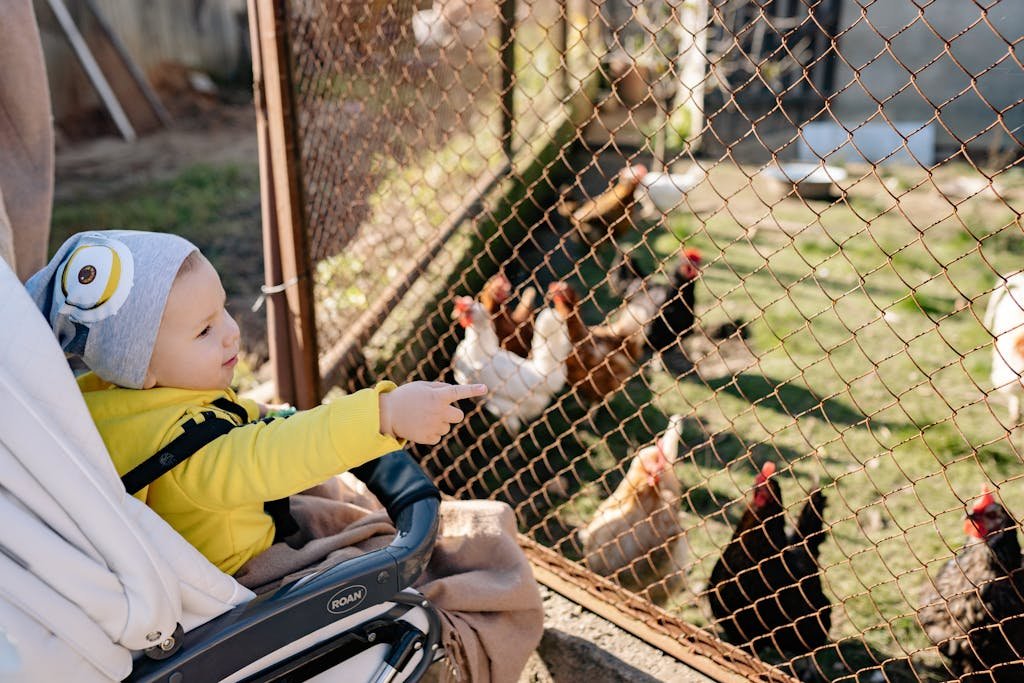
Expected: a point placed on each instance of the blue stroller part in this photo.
(96, 587)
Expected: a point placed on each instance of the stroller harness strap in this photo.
(195, 436)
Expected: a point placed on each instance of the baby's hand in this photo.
(421, 412)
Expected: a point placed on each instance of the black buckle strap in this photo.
(280, 511)
(195, 436)
(232, 407)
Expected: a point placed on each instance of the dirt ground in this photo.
(107, 165)
(579, 645)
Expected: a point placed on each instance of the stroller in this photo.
(96, 587)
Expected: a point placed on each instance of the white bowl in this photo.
(811, 181)
(666, 191)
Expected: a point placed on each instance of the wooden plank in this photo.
(278, 336)
(141, 103)
(295, 273)
(92, 69)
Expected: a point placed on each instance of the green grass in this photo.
(897, 355)
(217, 208)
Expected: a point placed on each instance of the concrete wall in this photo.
(923, 50)
(208, 35)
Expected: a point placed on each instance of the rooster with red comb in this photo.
(972, 610)
(765, 590)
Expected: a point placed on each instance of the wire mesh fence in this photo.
(739, 276)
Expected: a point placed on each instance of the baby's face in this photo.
(197, 345)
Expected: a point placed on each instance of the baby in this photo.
(146, 314)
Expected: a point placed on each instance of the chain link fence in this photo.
(737, 256)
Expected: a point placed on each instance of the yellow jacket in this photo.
(215, 498)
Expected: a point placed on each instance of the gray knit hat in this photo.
(104, 295)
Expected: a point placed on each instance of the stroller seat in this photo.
(96, 587)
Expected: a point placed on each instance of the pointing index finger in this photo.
(457, 392)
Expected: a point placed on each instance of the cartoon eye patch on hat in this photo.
(95, 279)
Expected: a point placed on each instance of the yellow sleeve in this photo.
(270, 460)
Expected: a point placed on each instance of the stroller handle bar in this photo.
(226, 644)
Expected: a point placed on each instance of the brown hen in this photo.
(513, 327)
(609, 212)
(597, 366)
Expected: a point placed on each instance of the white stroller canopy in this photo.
(89, 573)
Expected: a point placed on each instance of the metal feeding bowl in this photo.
(665, 192)
(808, 180)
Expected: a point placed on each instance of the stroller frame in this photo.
(232, 641)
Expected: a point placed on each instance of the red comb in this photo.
(463, 303)
(562, 290)
(767, 470)
(986, 499)
(693, 254)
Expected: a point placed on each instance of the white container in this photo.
(665, 192)
(811, 181)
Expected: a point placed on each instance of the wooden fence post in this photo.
(289, 270)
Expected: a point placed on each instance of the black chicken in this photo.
(765, 590)
(679, 313)
(973, 609)
(658, 315)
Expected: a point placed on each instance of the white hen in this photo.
(1004, 318)
(519, 388)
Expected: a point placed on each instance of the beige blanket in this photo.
(477, 576)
